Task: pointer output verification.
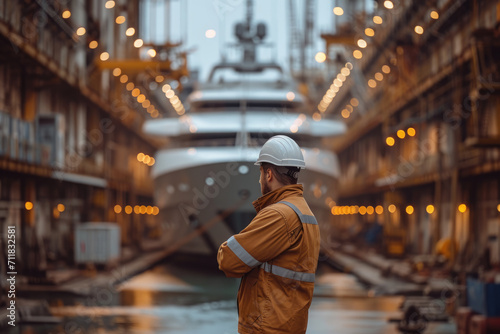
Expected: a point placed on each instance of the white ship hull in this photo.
(215, 187)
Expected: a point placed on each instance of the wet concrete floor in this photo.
(175, 300)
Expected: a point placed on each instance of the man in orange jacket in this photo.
(277, 253)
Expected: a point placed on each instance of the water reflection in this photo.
(178, 300)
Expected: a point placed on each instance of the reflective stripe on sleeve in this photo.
(306, 219)
(287, 273)
(241, 253)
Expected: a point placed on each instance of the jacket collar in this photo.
(278, 195)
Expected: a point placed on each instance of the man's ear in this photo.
(269, 175)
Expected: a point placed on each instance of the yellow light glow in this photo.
(377, 19)
(152, 53)
(338, 11)
(362, 210)
(349, 108)
(56, 213)
(104, 56)
(462, 208)
(357, 54)
(320, 57)
(372, 83)
(149, 210)
(170, 94)
(146, 104)
(379, 76)
(341, 77)
(369, 32)
(147, 159)
(391, 208)
(60, 207)
(434, 15)
(136, 92)
(143, 209)
(130, 86)
(151, 108)
(419, 30)
(370, 210)
(498, 207)
(379, 209)
(388, 4)
(429, 208)
(159, 78)
(118, 208)
(410, 209)
(28, 206)
(141, 98)
(386, 69)
(137, 209)
(166, 88)
(81, 31)
(290, 96)
(401, 134)
(354, 102)
(294, 128)
(138, 43)
(155, 113)
(390, 141)
(151, 162)
(130, 32)
(128, 209)
(66, 14)
(156, 210)
(362, 43)
(349, 66)
(109, 4)
(120, 19)
(411, 132)
(124, 78)
(210, 33)
(140, 157)
(345, 71)
(317, 117)
(93, 44)
(117, 72)
(345, 113)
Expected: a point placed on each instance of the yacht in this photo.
(205, 178)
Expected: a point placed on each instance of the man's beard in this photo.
(265, 188)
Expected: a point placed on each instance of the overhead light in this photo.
(109, 4)
(354, 102)
(462, 208)
(419, 30)
(410, 209)
(434, 15)
(386, 69)
(372, 83)
(362, 43)
(66, 14)
(152, 53)
(210, 33)
(130, 86)
(104, 56)
(430, 209)
(401, 134)
(338, 11)
(345, 113)
(81, 31)
(377, 19)
(117, 71)
(120, 19)
(130, 32)
(388, 4)
(369, 32)
(138, 43)
(320, 57)
(411, 132)
(379, 76)
(136, 92)
(390, 141)
(93, 44)
(357, 54)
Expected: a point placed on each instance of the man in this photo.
(277, 253)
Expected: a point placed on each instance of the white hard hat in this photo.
(281, 151)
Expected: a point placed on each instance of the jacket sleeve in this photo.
(262, 240)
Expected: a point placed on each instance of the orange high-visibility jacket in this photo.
(277, 256)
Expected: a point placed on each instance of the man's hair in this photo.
(284, 175)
